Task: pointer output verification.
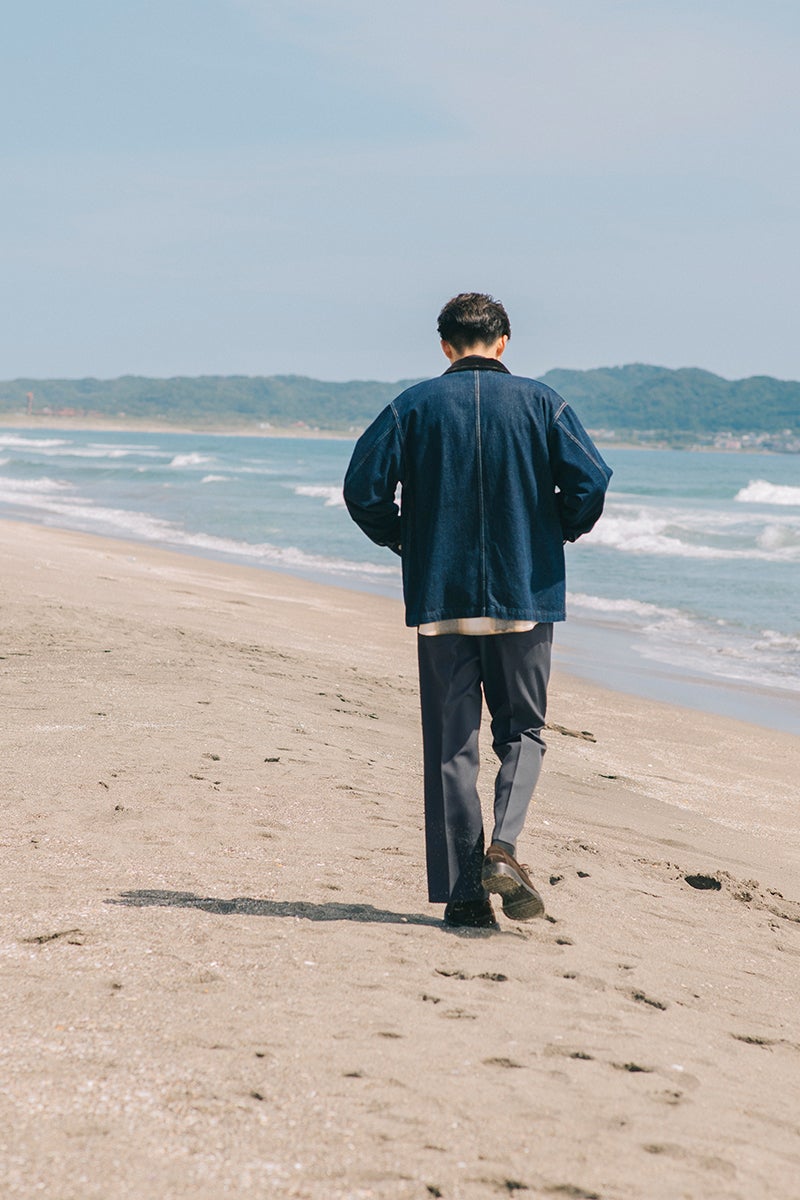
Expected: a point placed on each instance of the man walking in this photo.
(496, 473)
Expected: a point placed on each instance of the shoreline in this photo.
(89, 425)
(128, 425)
(610, 655)
(595, 652)
(604, 649)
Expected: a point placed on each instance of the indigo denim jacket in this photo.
(496, 473)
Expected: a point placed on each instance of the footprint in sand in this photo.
(491, 976)
(668, 1097)
(553, 1051)
(74, 937)
(570, 1189)
(708, 1162)
(642, 998)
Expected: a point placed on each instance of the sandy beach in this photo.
(220, 975)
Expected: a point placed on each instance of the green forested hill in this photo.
(639, 397)
(628, 400)
(205, 400)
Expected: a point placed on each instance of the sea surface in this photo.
(687, 590)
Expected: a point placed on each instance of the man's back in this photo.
(479, 454)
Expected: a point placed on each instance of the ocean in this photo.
(688, 590)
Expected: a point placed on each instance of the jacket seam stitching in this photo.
(481, 514)
(376, 444)
(399, 431)
(397, 422)
(581, 446)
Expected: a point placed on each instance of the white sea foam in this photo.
(779, 537)
(253, 470)
(676, 638)
(192, 459)
(709, 646)
(112, 452)
(115, 450)
(699, 534)
(133, 447)
(62, 448)
(68, 451)
(772, 640)
(290, 557)
(256, 466)
(214, 479)
(650, 532)
(14, 489)
(47, 496)
(760, 491)
(331, 495)
(769, 661)
(12, 439)
(626, 608)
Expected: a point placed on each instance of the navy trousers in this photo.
(456, 671)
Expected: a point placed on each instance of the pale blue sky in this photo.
(296, 186)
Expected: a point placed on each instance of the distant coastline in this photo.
(635, 405)
(54, 423)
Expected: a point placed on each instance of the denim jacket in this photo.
(496, 473)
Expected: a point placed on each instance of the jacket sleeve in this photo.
(372, 477)
(580, 474)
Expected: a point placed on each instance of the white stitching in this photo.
(585, 451)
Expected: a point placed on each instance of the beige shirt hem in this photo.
(474, 626)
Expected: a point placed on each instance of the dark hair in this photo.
(472, 318)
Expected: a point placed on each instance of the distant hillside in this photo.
(635, 400)
(639, 397)
(205, 400)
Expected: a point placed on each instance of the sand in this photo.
(220, 975)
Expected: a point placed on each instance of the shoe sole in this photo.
(520, 903)
(470, 925)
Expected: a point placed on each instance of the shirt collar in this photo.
(477, 362)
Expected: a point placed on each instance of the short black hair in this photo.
(472, 318)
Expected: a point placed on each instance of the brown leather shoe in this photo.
(470, 914)
(503, 874)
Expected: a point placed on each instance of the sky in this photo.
(262, 187)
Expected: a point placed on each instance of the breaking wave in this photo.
(51, 497)
(331, 495)
(759, 491)
(192, 459)
(13, 439)
(698, 534)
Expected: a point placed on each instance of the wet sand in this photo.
(220, 976)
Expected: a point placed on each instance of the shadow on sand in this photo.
(246, 906)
